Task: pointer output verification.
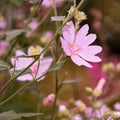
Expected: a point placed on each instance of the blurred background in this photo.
(103, 19)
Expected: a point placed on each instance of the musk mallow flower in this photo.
(77, 45)
(36, 70)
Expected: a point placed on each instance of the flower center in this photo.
(73, 48)
(35, 50)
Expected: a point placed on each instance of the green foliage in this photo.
(4, 66)
(57, 66)
(10, 35)
(12, 115)
(16, 2)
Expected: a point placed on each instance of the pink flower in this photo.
(36, 70)
(4, 46)
(100, 84)
(33, 24)
(48, 3)
(49, 99)
(77, 45)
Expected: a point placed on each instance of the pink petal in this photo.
(89, 57)
(19, 53)
(21, 63)
(87, 40)
(81, 34)
(26, 77)
(65, 46)
(44, 65)
(92, 50)
(79, 61)
(68, 32)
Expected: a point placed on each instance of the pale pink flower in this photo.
(62, 108)
(95, 112)
(49, 99)
(36, 70)
(33, 24)
(77, 117)
(77, 45)
(117, 106)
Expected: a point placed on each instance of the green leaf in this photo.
(73, 80)
(4, 66)
(14, 33)
(56, 66)
(12, 115)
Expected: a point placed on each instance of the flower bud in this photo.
(108, 67)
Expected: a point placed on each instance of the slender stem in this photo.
(56, 59)
(10, 81)
(56, 93)
(18, 91)
(10, 97)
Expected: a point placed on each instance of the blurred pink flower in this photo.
(36, 70)
(100, 84)
(91, 112)
(4, 46)
(117, 106)
(33, 24)
(77, 45)
(49, 99)
(48, 3)
(3, 23)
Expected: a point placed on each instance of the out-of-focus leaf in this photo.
(32, 1)
(4, 66)
(57, 18)
(73, 80)
(12, 115)
(56, 66)
(17, 2)
(14, 33)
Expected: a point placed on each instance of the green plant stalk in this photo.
(10, 97)
(47, 45)
(18, 91)
(56, 72)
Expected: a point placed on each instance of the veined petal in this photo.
(26, 77)
(92, 50)
(89, 57)
(79, 61)
(87, 40)
(81, 34)
(19, 53)
(68, 32)
(65, 46)
(20, 62)
(44, 65)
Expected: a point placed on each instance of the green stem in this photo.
(10, 97)
(56, 72)
(10, 81)
(56, 93)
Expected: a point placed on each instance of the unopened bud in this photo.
(116, 115)
(97, 105)
(108, 67)
(89, 90)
